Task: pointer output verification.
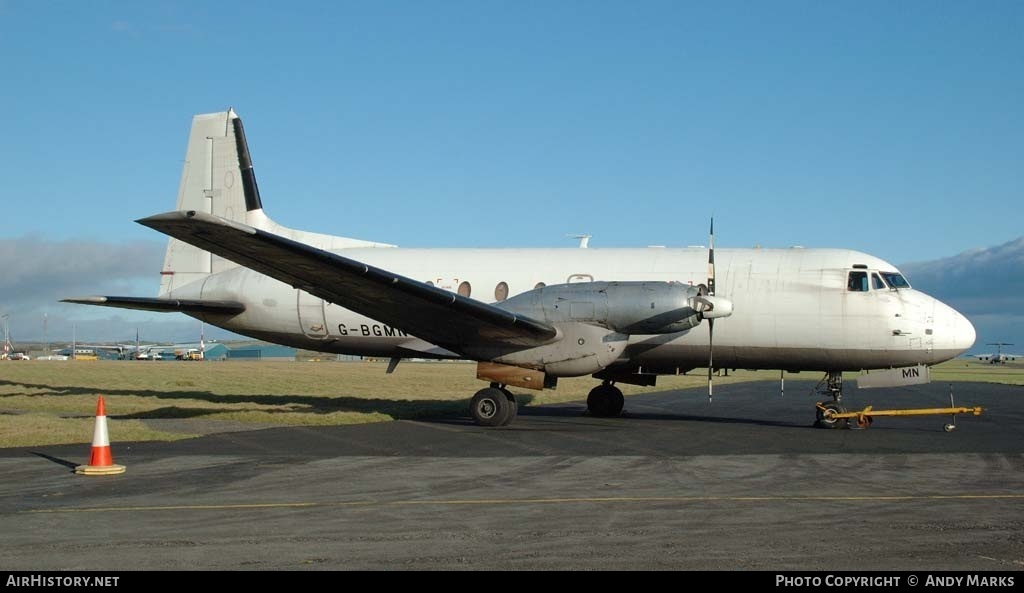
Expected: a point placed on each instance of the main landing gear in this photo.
(494, 406)
(605, 400)
(831, 384)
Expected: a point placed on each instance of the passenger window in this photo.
(465, 289)
(857, 282)
(877, 282)
(501, 292)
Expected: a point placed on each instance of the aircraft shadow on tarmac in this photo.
(396, 408)
(577, 411)
(437, 411)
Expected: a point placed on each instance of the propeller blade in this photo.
(711, 321)
(711, 259)
(711, 357)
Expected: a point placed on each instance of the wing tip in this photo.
(85, 300)
(166, 220)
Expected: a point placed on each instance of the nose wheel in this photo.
(826, 415)
(831, 384)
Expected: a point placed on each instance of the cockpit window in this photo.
(857, 282)
(895, 280)
(877, 282)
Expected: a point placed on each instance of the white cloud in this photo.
(35, 273)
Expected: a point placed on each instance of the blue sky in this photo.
(896, 128)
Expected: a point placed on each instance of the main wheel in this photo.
(824, 418)
(605, 401)
(490, 407)
(513, 410)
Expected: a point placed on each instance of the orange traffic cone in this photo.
(101, 462)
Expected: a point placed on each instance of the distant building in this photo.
(216, 351)
(264, 352)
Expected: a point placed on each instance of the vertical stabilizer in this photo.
(211, 181)
(218, 178)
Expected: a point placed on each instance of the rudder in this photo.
(215, 178)
(218, 178)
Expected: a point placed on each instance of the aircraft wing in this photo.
(162, 305)
(458, 323)
(117, 347)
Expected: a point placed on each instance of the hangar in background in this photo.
(220, 351)
(263, 352)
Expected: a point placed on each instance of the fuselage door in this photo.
(311, 315)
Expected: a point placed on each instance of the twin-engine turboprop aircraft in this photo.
(529, 316)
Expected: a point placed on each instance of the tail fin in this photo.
(211, 181)
(218, 178)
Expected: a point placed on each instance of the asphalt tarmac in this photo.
(745, 482)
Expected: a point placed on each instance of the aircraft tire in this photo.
(605, 401)
(823, 422)
(513, 411)
(490, 407)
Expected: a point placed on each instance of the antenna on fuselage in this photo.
(584, 240)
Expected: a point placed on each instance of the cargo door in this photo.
(311, 315)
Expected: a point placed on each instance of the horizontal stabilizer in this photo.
(162, 305)
(457, 323)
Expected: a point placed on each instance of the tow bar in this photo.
(865, 417)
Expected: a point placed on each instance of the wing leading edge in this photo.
(162, 305)
(458, 323)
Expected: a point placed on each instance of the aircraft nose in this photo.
(960, 334)
(964, 332)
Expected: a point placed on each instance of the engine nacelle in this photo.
(583, 349)
(633, 308)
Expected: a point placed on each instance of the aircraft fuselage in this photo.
(794, 309)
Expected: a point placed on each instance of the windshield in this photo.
(895, 280)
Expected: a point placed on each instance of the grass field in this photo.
(50, 402)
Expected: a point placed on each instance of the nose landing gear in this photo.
(828, 411)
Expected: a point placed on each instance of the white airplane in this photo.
(134, 351)
(999, 357)
(530, 316)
